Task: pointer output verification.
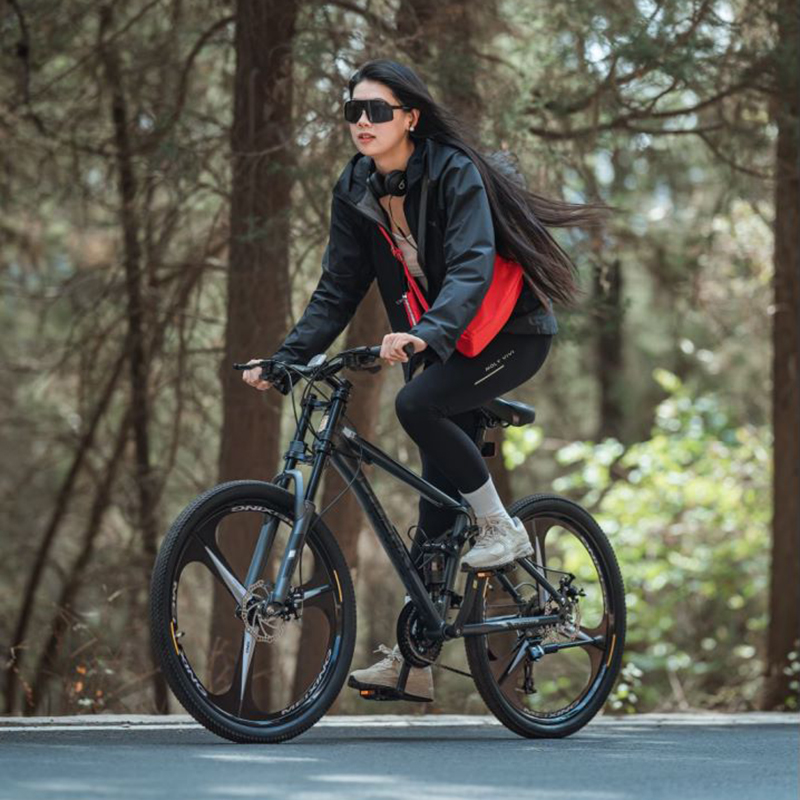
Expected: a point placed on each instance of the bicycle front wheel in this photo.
(550, 681)
(242, 670)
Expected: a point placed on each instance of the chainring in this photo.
(416, 649)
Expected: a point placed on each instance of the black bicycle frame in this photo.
(385, 530)
(345, 448)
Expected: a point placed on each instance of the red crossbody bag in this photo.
(497, 304)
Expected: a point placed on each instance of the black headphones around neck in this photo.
(394, 183)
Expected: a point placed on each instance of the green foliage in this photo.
(624, 697)
(688, 512)
(793, 671)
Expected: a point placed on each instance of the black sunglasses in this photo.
(377, 110)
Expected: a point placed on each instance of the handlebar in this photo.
(278, 373)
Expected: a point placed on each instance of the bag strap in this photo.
(423, 208)
(423, 211)
(415, 288)
(398, 254)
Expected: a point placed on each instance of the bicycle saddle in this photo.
(510, 411)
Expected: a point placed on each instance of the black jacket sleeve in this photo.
(346, 277)
(469, 250)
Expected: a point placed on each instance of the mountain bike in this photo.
(253, 611)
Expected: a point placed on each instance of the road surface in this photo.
(683, 757)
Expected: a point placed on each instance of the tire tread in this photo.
(161, 587)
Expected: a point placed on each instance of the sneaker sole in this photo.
(385, 692)
(521, 552)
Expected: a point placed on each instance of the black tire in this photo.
(265, 499)
(526, 721)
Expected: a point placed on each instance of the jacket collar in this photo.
(416, 162)
(352, 183)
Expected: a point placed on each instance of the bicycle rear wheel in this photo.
(244, 671)
(550, 682)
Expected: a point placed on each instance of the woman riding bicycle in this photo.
(475, 210)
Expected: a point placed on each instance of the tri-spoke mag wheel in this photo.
(550, 682)
(245, 670)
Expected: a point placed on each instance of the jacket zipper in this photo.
(396, 252)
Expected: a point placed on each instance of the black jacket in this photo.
(458, 259)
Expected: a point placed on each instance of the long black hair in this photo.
(519, 215)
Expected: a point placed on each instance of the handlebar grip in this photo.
(265, 373)
(278, 378)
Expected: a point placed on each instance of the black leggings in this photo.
(438, 410)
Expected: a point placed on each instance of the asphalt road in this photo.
(399, 758)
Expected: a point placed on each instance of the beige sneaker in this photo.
(379, 682)
(499, 542)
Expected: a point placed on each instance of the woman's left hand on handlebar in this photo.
(392, 346)
(253, 377)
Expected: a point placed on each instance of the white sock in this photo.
(485, 501)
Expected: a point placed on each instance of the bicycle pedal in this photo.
(385, 693)
(487, 572)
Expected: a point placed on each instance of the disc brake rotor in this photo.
(263, 625)
(567, 628)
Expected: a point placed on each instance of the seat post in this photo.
(487, 448)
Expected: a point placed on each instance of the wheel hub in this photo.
(262, 620)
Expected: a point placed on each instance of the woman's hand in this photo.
(253, 377)
(392, 346)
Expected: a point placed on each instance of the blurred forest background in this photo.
(166, 178)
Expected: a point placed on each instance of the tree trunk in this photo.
(258, 277)
(444, 38)
(784, 599)
(137, 351)
(607, 307)
(609, 363)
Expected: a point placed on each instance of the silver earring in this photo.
(411, 128)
